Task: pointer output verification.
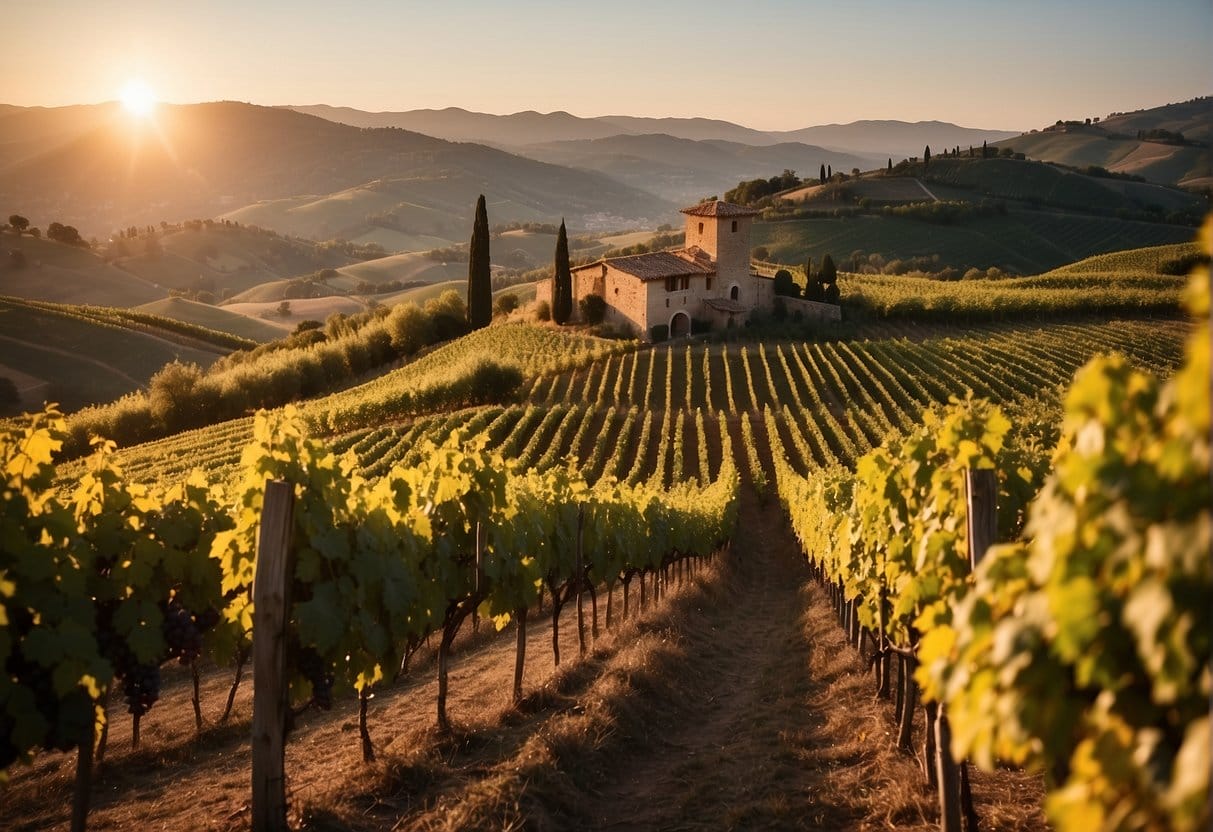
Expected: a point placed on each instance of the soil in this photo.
(732, 703)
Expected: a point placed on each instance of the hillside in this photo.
(1112, 143)
(683, 170)
(213, 317)
(300, 309)
(47, 270)
(1029, 181)
(894, 138)
(77, 356)
(220, 259)
(1019, 242)
(199, 160)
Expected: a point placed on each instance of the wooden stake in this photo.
(197, 700)
(520, 654)
(84, 783)
(271, 614)
(949, 790)
(981, 496)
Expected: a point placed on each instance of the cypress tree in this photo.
(984, 150)
(926, 158)
(829, 280)
(480, 284)
(562, 290)
(829, 171)
(890, 163)
(822, 176)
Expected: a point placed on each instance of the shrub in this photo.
(659, 333)
(543, 311)
(409, 328)
(784, 285)
(593, 309)
(505, 304)
(761, 253)
(171, 396)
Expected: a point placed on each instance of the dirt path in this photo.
(723, 760)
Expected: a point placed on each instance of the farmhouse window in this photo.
(667, 303)
(700, 228)
(670, 285)
(734, 226)
(709, 284)
(684, 282)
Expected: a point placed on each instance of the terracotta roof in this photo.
(724, 304)
(717, 208)
(694, 253)
(657, 265)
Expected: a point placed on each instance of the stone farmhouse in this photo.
(708, 280)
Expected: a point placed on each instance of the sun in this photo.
(137, 98)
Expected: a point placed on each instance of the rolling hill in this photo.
(213, 317)
(894, 138)
(202, 159)
(77, 356)
(1020, 242)
(1112, 143)
(47, 270)
(683, 170)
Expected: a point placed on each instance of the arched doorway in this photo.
(735, 292)
(680, 325)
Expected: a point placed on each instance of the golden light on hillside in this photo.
(137, 98)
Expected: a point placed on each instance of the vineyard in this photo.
(832, 401)
(611, 473)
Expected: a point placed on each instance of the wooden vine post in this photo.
(981, 495)
(271, 687)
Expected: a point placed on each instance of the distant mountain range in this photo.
(408, 180)
(99, 169)
(873, 138)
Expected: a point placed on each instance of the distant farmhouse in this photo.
(707, 281)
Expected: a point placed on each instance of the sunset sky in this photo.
(770, 64)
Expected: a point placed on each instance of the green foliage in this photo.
(480, 285)
(84, 585)
(1085, 650)
(749, 192)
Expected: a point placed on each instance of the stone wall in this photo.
(813, 310)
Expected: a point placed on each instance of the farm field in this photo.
(656, 414)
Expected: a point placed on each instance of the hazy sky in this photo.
(771, 64)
